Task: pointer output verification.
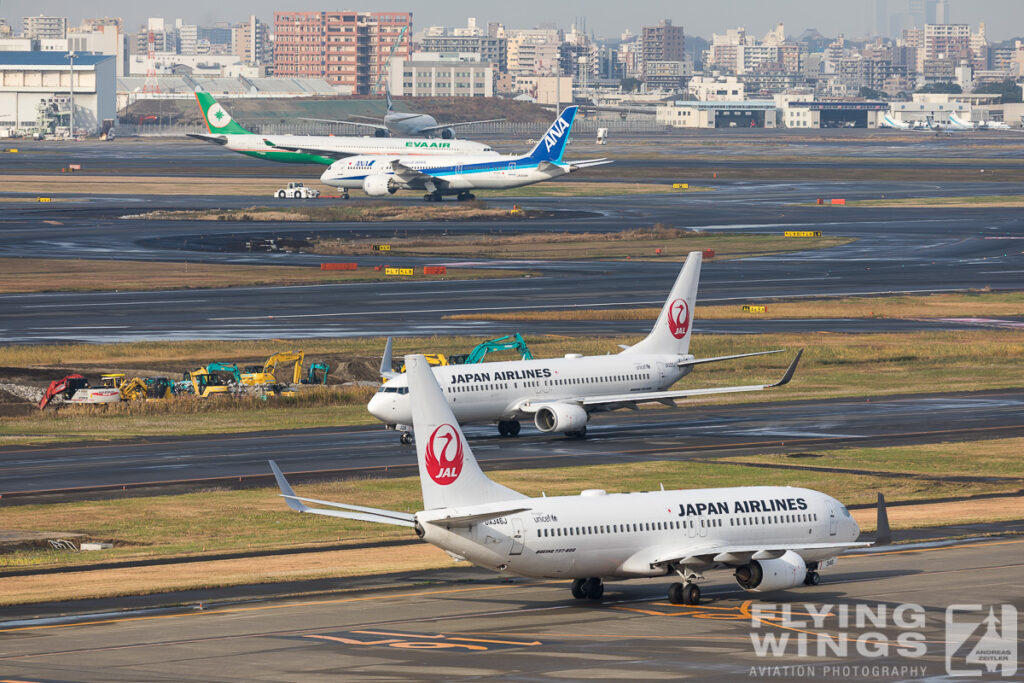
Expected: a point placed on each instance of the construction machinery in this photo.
(148, 388)
(510, 342)
(214, 379)
(256, 375)
(317, 373)
(75, 389)
(112, 380)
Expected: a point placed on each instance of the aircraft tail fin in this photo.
(449, 474)
(552, 145)
(216, 118)
(672, 330)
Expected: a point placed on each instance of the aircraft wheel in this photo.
(578, 434)
(577, 589)
(428, 197)
(406, 438)
(691, 594)
(471, 196)
(813, 578)
(514, 427)
(503, 428)
(675, 593)
(344, 195)
(594, 588)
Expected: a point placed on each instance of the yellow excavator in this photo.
(256, 375)
(150, 388)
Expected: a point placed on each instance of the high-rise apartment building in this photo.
(662, 43)
(250, 42)
(43, 27)
(344, 48)
(493, 50)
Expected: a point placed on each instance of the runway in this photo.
(41, 473)
(467, 625)
(896, 250)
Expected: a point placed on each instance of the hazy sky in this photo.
(1004, 18)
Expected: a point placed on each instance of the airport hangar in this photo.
(29, 79)
(777, 113)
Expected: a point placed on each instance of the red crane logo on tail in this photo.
(444, 455)
(679, 318)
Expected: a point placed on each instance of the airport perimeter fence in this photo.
(510, 129)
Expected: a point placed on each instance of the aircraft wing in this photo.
(309, 149)
(614, 401)
(738, 554)
(699, 361)
(417, 179)
(346, 511)
(434, 129)
(374, 126)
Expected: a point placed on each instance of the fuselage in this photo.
(496, 391)
(462, 172)
(410, 126)
(374, 147)
(622, 534)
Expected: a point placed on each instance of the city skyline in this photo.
(853, 19)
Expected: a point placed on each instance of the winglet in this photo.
(790, 372)
(883, 535)
(286, 490)
(387, 367)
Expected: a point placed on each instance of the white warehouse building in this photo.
(436, 74)
(28, 78)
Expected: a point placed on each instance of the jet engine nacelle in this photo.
(379, 185)
(448, 134)
(560, 417)
(770, 575)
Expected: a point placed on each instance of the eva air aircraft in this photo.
(461, 174)
(318, 149)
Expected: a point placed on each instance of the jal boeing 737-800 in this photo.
(771, 537)
(460, 175)
(559, 394)
(320, 149)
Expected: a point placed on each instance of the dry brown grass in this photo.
(37, 275)
(636, 243)
(967, 512)
(971, 202)
(349, 211)
(975, 304)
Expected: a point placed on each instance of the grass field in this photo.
(970, 304)
(639, 243)
(226, 521)
(78, 275)
(969, 202)
(834, 365)
(348, 211)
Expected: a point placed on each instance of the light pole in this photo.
(71, 88)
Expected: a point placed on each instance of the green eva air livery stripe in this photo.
(216, 118)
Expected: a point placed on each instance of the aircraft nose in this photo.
(326, 177)
(375, 406)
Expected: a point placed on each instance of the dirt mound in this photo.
(354, 370)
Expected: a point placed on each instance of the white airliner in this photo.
(460, 175)
(408, 124)
(320, 149)
(888, 121)
(772, 537)
(559, 394)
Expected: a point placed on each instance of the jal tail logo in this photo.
(552, 137)
(444, 455)
(679, 318)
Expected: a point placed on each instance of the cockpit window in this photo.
(387, 389)
(845, 511)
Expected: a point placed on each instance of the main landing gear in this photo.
(433, 197)
(588, 589)
(688, 592)
(813, 578)
(580, 433)
(406, 438)
(465, 196)
(509, 427)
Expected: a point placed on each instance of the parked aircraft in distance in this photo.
(407, 124)
(460, 175)
(559, 394)
(888, 121)
(319, 149)
(770, 537)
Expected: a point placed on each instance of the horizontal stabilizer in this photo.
(470, 520)
(355, 512)
(587, 163)
(216, 139)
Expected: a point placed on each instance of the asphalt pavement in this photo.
(133, 467)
